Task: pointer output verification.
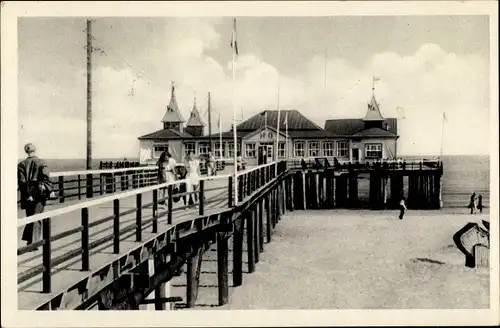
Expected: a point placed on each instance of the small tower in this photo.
(173, 118)
(373, 117)
(194, 124)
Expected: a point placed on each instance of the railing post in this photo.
(155, 211)
(46, 257)
(138, 218)
(170, 204)
(230, 192)
(134, 179)
(202, 197)
(114, 182)
(101, 184)
(79, 187)
(116, 226)
(85, 240)
(61, 189)
(90, 186)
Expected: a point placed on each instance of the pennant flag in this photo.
(401, 112)
(234, 42)
(218, 123)
(445, 119)
(375, 79)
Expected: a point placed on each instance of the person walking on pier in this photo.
(193, 178)
(35, 187)
(402, 207)
(211, 164)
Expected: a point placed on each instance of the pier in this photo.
(122, 249)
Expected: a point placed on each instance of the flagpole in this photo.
(220, 138)
(278, 126)
(286, 134)
(234, 47)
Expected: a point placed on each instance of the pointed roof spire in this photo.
(172, 113)
(194, 118)
(373, 112)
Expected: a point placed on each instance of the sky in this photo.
(322, 66)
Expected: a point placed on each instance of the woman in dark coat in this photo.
(472, 203)
(480, 203)
(161, 174)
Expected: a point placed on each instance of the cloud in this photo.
(128, 102)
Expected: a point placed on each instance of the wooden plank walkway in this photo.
(69, 272)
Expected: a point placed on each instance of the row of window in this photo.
(315, 149)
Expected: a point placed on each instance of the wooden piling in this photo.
(191, 284)
(250, 241)
(238, 251)
(222, 268)
(261, 225)
(267, 200)
(256, 234)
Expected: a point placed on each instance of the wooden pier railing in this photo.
(264, 193)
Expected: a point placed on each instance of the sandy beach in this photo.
(345, 259)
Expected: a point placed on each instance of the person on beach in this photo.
(35, 188)
(193, 178)
(402, 207)
(480, 203)
(472, 203)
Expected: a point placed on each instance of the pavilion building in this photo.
(370, 138)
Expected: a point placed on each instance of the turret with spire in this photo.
(194, 124)
(373, 117)
(173, 118)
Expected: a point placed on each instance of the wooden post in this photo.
(250, 241)
(170, 205)
(79, 187)
(90, 186)
(61, 189)
(155, 211)
(222, 268)
(46, 257)
(138, 218)
(304, 189)
(116, 226)
(202, 197)
(238, 251)
(85, 240)
(191, 284)
(256, 236)
(230, 192)
(268, 217)
(261, 225)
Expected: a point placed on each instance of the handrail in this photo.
(70, 208)
(256, 168)
(85, 172)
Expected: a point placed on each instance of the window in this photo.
(314, 149)
(230, 150)
(281, 149)
(217, 149)
(298, 149)
(203, 148)
(250, 150)
(328, 149)
(189, 148)
(373, 150)
(342, 149)
(158, 149)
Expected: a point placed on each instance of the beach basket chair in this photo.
(472, 240)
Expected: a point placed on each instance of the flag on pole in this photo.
(218, 123)
(234, 42)
(375, 79)
(445, 119)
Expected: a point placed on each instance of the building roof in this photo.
(194, 118)
(374, 132)
(350, 127)
(166, 134)
(296, 121)
(172, 113)
(373, 111)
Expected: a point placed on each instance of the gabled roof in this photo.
(194, 118)
(296, 121)
(166, 134)
(350, 127)
(373, 112)
(172, 113)
(374, 132)
(270, 128)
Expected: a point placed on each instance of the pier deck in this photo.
(68, 272)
